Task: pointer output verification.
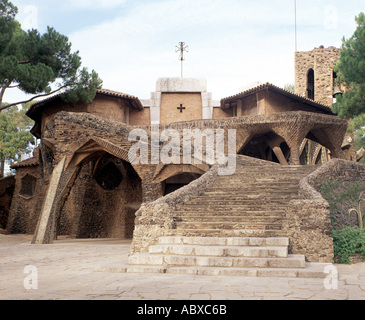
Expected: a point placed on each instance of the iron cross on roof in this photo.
(182, 48)
(181, 108)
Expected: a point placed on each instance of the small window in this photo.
(28, 186)
(310, 84)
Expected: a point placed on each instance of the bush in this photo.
(347, 241)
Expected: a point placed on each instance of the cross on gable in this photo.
(181, 108)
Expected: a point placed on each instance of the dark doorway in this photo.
(178, 181)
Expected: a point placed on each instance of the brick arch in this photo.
(175, 169)
(82, 149)
(268, 138)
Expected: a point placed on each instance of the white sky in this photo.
(232, 43)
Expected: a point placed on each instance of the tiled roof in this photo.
(279, 90)
(134, 101)
(31, 162)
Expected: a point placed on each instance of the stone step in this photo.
(248, 231)
(259, 179)
(230, 211)
(227, 223)
(222, 225)
(250, 190)
(225, 241)
(244, 197)
(225, 202)
(270, 168)
(233, 207)
(291, 261)
(221, 218)
(311, 270)
(220, 251)
(264, 173)
(244, 184)
(203, 212)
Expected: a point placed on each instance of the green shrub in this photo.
(347, 241)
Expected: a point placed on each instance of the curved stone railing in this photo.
(308, 223)
(153, 219)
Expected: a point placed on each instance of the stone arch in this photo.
(173, 177)
(323, 136)
(80, 166)
(83, 148)
(102, 200)
(311, 152)
(267, 146)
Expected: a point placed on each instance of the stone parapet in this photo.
(308, 223)
(155, 218)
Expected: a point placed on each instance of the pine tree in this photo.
(15, 137)
(32, 62)
(350, 71)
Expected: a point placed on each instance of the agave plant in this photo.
(360, 215)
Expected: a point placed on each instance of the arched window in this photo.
(310, 84)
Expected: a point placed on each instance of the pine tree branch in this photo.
(31, 99)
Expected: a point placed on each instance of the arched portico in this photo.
(267, 146)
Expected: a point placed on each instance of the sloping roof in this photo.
(269, 86)
(134, 101)
(31, 162)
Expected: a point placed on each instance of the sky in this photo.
(231, 43)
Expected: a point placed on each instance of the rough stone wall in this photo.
(7, 186)
(308, 227)
(322, 61)
(89, 211)
(344, 176)
(24, 212)
(308, 223)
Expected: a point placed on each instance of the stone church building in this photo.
(81, 182)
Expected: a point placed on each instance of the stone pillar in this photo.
(295, 154)
(43, 232)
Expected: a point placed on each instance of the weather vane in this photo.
(182, 48)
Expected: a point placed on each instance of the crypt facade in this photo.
(82, 183)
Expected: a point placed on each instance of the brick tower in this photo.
(314, 75)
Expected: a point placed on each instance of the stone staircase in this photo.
(252, 202)
(234, 228)
(228, 256)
